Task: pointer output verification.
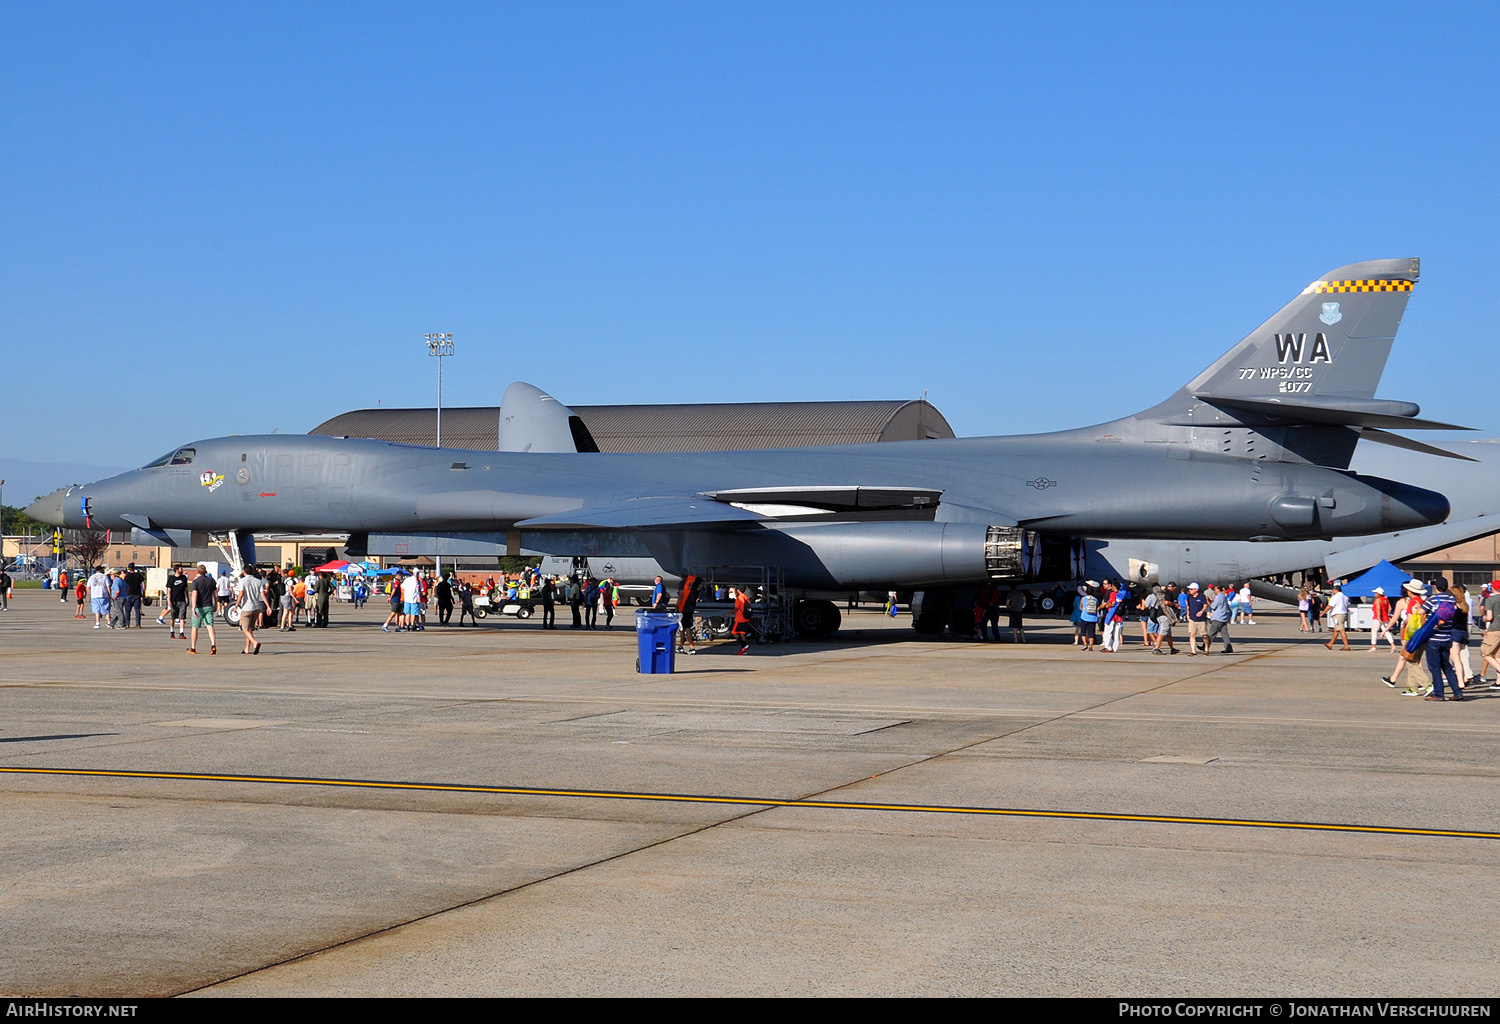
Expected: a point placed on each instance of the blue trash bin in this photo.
(654, 641)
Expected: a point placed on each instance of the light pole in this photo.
(439, 345)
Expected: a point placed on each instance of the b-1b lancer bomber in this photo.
(1256, 447)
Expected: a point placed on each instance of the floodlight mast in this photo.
(440, 345)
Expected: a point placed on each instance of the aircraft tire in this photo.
(815, 618)
(232, 615)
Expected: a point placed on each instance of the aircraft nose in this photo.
(48, 508)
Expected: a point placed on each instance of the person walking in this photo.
(287, 606)
(1016, 605)
(177, 598)
(1489, 643)
(609, 594)
(1219, 616)
(1088, 613)
(1413, 616)
(1197, 616)
(1338, 610)
(687, 604)
(202, 597)
(223, 593)
(549, 603)
(98, 584)
(1166, 618)
(322, 592)
(1440, 609)
(591, 604)
(1380, 621)
(444, 594)
(466, 603)
(1112, 616)
(116, 597)
(1461, 635)
(135, 593)
(742, 628)
(251, 598)
(1247, 608)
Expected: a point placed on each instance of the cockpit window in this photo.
(181, 457)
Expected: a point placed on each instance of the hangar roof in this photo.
(667, 428)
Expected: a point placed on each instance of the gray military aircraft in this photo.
(538, 422)
(1253, 448)
(531, 420)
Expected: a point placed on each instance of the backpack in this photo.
(1090, 605)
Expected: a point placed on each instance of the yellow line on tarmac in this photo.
(838, 805)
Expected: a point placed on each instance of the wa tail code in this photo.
(1290, 347)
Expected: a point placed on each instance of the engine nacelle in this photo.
(873, 556)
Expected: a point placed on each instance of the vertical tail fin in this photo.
(533, 421)
(1300, 386)
(1333, 339)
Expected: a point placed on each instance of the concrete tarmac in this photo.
(114, 885)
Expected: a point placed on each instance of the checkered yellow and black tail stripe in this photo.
(1367, 285)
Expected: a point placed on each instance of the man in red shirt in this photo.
(742, 627)
(1380, 621)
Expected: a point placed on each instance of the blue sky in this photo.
(233, 218)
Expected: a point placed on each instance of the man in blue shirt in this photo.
(1219, 614)
(1440, 609)
(1197, 619)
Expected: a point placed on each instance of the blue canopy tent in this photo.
(1383, 575)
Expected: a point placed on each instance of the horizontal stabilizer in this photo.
(834, 499)
(1334, 410)
(1397, 441)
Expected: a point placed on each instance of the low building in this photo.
(1471, 563)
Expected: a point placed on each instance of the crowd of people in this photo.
(196, 601)
(1427, 628)
(1102, 610)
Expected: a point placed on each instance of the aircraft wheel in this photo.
(815, 618)
(232, 615)
(1047, 604)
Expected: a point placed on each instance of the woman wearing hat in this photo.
(1412, 617)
